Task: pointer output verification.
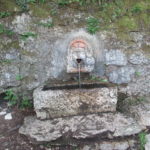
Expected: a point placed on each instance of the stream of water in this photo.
(79, 75)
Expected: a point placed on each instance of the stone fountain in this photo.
(78, 110)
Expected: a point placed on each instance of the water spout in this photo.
(79, 71)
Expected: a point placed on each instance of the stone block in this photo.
(59, 103)
(80, 127)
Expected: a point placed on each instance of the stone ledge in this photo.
(60, 103)
(80, 127)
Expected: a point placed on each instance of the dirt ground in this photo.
(10, 139)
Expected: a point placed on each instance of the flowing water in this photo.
(79, 75)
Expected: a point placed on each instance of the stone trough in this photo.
(61, 101)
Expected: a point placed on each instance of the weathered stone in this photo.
(138, 58)
(21, 23)
(147, 145)
(122, 75)
(123, 145)
(58, 103)
(115, 57)
(8, 74)
(139, 110)
(80, 127)
(141, 86)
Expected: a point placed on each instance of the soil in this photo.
(10, 139)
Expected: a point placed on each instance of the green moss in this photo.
(8, 5)
(40, 11)
(127, 23)
(124, 36)
(8, 46)
(139, 7)
(146, 49)
(145, 19)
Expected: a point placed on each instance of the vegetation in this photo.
(95, 78)
(11, 97)
(14, 99)
(26, 35)
(92, 25)
(25, 103)
(4, 30)
(19, 77)
(4, 14)
(142, 140)
(46, 24)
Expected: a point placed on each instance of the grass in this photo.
(26, 35)
(4, 30)
(14, 99)
(92, 25)
(11, 97)
(4, 14)
(47, 24)
(95, 78)
(142, 140)
(25, 103)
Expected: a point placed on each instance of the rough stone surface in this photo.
(80, 127)
(139, 110)
(58, 103)
(140, 86)
(138, 58)
(8, 74)
(115, 57)
(147, 145)
(21, 24)
(44, 57)
(122, 75)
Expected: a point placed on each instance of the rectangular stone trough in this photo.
(55, 102)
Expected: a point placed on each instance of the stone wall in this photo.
(40, 58)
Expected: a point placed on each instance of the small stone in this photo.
(138, 58)
(8, 116)
(115, 57)
(3, 112)
(122, 75)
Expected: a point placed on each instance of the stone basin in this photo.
(60, 101)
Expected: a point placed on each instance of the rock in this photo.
(8, 116)
(147, 145)
(80, 127)
(140, 85)
(122, 75)
(114, 145)
(115, 57)
(3, 112)
(8, 74)
(138, 58)
(139, 110)
(21, 23)
(58, 103)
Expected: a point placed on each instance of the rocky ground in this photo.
(10, 121)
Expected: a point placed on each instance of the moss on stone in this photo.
(124, 36)
(8, 5)
(27, 53)
(40, 11)
(127, 23)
